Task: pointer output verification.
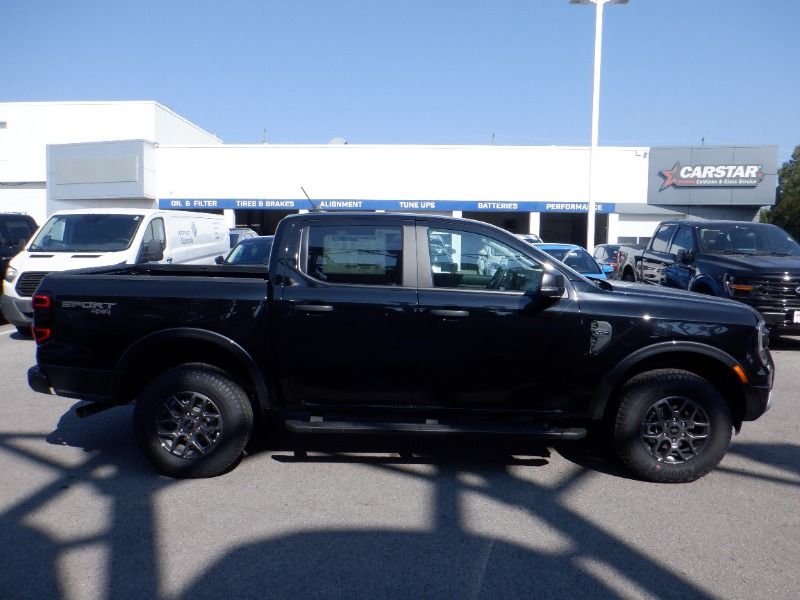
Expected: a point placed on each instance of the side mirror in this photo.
(552, 285)
(684, 256)
(153, 251)
(607, 268)
(219, 259)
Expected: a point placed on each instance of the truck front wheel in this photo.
(193, 421)
(672, 426)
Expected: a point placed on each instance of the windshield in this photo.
(254, 251)
(577, 258)
(14, 230)
(747, 238)
(86, 233)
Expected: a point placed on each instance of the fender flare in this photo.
(707, 281)
(612, 379)
(190, 333)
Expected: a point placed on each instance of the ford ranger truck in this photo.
(356, 327)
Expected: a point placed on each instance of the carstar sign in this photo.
(711, 176)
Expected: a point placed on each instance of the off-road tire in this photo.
(193, 421)
(671, 426)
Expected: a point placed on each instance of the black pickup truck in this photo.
(754, 263)
(356, 327)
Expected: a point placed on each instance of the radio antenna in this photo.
(314, 207)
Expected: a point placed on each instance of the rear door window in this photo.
(355, 254)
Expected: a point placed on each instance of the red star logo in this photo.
(669, 176)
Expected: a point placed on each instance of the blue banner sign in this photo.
(392, 205)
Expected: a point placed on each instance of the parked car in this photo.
(754, 263)
(622, 258)
(98, 237)
(350, 330)
(240, 233)
(576, 257)
(531, 238)
(249, 251)
(15, 230)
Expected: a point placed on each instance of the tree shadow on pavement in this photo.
(448, 558)
(781, 456)
(114, 471)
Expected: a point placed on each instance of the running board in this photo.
(317, 425)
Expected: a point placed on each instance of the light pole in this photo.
(598, 46)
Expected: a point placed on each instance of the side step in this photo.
(433, 427)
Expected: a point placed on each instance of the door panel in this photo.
(489, 340)
(346, 320)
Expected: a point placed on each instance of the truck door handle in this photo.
(314, 307)
(442, 312)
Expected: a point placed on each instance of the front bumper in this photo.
(780, 321)
(17, 311)
(757, 401)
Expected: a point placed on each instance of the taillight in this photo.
(41, 301)
(41, 334)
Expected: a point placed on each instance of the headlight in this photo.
(737, 287)
(11, 272)
(763, 342)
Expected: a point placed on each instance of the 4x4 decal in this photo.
(95, 308)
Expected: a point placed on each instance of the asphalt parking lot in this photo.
(82, 515)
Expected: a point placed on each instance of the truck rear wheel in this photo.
(193, 422)
(672, 426)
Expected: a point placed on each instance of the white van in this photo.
(76, 239)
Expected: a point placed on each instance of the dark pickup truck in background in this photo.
(358, 327)
(754, 263)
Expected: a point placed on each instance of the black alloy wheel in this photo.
(193, 421)
(671, 426)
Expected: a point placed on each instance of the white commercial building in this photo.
(66, 155)
(28, 128)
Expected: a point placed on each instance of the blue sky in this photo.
(516, 72)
